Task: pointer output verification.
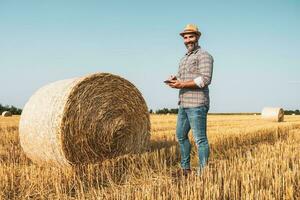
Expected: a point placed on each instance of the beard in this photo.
(191, 46)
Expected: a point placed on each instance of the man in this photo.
(193, 77)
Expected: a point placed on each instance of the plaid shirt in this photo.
(195, 64)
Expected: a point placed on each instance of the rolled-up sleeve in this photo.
(206, 70)
(199, 81)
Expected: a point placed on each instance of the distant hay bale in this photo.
(84, 120)
(273, 114)
(6, 114)
(293, 114)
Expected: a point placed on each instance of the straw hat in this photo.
(190, 28)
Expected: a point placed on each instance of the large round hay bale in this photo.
(84, 120)
(6, 114)
(273, 114)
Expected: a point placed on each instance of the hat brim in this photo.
(186, 32)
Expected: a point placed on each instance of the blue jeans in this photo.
(195, 119)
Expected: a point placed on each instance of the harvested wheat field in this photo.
(250, 159)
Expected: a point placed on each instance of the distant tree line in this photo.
(165, 111)
(12, 109)
(17, 111)
(290, 112)
(175, 111)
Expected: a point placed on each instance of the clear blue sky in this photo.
(255, 45)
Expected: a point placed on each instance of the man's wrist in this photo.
(183, 84)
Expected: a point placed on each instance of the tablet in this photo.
(167, 81)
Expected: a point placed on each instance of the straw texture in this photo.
(6, 114)
(84, 120)
(273, 114)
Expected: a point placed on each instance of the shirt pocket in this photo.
(194, 66)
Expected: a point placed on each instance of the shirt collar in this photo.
(194, 51)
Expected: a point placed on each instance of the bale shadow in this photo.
(160, 144)
(159, 158)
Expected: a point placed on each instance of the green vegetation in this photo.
(12, 109)
(175, 111)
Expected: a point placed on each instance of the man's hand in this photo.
(176, 84)
(183, 84)
(172, 78)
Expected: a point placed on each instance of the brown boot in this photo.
(186, 172)
(181, 172)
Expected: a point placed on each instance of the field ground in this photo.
(250, 159)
